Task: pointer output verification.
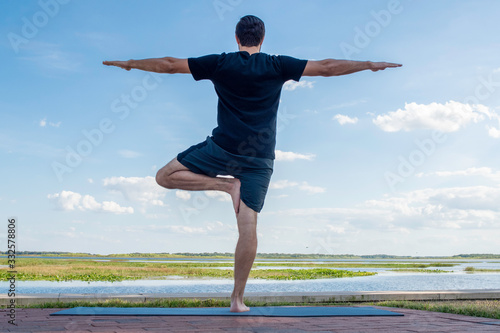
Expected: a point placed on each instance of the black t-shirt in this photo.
(249, 88)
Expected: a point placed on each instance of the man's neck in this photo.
(250, 49)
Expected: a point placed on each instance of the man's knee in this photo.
(163, 179)
(160, 178)
(247, 221)
(164, 175)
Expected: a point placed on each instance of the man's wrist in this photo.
(370, 65)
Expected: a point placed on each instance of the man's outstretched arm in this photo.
(333, 67)
(167, 65)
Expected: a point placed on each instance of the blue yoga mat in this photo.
(268, 311)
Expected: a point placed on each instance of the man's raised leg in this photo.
(174, 175)
(246, 249)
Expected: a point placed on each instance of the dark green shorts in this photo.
(254, 173)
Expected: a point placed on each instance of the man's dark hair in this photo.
(250, 30)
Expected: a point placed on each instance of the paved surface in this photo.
(292, 297)
(38, 320)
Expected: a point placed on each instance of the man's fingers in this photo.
(121, 64)
(383, 65)
(380, 66)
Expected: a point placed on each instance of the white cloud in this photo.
(280, 196)
(292, 85)
(281, 184)
(182, 229)
(68, 200)
(43, 123)
(144, 190)
(304, 186)
(473, 207)
(184, 195)
(208, 227)
(455, 207)
(156, 203)
(493, 132)
(342, 119)
(291, 156)
(449, 117)
(483, 172)
(336, 229)
(219, 195)
(311, 189)
(128, 153)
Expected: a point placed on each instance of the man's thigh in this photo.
(173, 166)
(254, 186)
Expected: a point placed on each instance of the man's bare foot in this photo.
(237, 305)
(235, 195)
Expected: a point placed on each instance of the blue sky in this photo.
(403, 161)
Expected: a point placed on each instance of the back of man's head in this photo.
(250, 30)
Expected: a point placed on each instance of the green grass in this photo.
(43, 269)
(166, 303)
(305, 274)
(486, 308)
(471, 269)
(22, 262)
(359, 265)
(88, 270)
(483, 308)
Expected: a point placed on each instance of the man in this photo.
(248, 84)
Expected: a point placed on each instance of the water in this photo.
(385, 280)
(380, 282)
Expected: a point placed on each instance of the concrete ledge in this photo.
(292, 297)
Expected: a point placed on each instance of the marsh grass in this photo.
(471, 269)
(23, 262)
(486, 308)
(305, 274)
(89, 270)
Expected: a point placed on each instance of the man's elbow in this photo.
(328, 68)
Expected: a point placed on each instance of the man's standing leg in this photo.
(176, 176)
(244, 256)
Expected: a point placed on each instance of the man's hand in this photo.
(122, 64)
(167, 65)
(334, 67)
(380, 66)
